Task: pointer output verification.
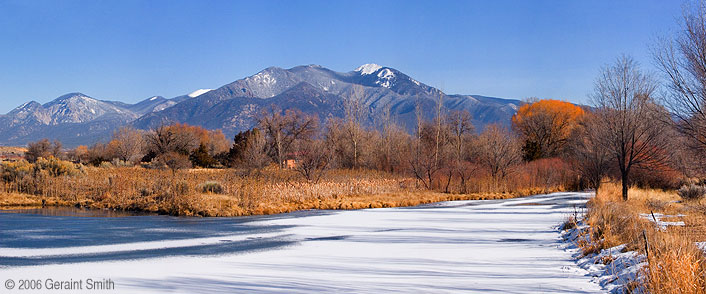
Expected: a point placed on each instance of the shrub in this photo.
(201, 158)
(692, 192)
(173, 161)
(121, 163)
(56, 167)
(13, 171)
(106, 164)
(211, 187)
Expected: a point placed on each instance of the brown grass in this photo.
(676, 264)
(181, 193)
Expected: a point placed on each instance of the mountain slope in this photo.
(318, 90)
(73, 117)
(79, 119)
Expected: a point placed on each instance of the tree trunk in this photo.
(598, 186)
(624, 181)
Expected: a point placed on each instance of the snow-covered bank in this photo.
(615, 269)
(502, 246)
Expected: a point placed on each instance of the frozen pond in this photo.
(506, 246)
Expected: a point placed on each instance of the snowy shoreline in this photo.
(615, 269)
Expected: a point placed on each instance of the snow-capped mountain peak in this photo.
(385, 78)
(199, 92)
(77, 119)
(368, 68)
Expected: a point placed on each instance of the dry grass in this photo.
(676, 264)
(182, 193)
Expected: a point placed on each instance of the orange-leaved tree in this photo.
(545, 126)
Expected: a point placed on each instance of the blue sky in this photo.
(131, 50)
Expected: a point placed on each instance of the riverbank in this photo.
(209, 205)
(224, 192)
(657, 224)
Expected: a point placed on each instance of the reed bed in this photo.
(675, 263)
(215, 192)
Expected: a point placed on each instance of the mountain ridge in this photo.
(78, 119)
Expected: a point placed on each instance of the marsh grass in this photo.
(216, 192)
(675, 263)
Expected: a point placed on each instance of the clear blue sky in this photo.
(131, 50)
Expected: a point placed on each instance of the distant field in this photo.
(11, 153)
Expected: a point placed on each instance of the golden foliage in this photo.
(547, 123)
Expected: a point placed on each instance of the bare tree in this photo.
(282, 130)
(632, 125)
(498, 151)
(173, 138)
(313, 158)
(43, 149)
(128, 144)
(352, 128)
(254, 154)
(430, 152)
(683, 61)
(590, 158)
(461, 129)
(394, 143)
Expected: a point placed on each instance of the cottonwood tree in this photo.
(460, 130)
(590, 158)
(78, 154)
(43, 149)
(249, 150)
(545, 126)
(682, 59)
(428, 158)
(283, 129)
(394, 144)
(429, 146)
(351, 128)
(215, 142)
(171, 138)
(127, 144)
(632, 126)
(313, 159)
(498, 151)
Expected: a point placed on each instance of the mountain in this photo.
(79, 119)
(73, 117)
(321, 91)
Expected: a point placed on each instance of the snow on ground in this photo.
(503, 246)
(657, 219)
(612, 268)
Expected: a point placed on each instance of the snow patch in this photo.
(368, 68)
(199, 92)
(155, 98)
(656, 218)
(385, 78)
(613, 268)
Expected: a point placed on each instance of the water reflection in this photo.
(75, 212)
